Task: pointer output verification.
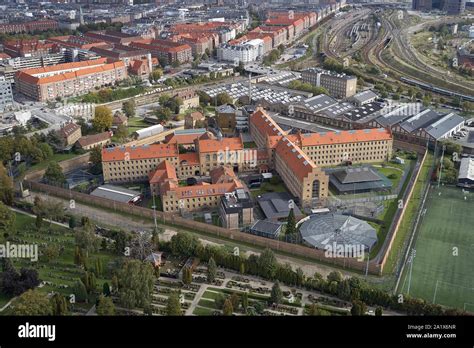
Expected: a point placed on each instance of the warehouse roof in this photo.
(116, 193)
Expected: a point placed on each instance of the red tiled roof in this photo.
(265, 124)
(164, 171)
(94, 139)
(348, 136)
(222, 174)
(215, 145)
(191, 158)
(298, 162)
(139, 152)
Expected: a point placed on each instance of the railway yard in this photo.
(380, 45)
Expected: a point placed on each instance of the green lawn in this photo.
(410, 215)
(136, 123)
(207, 304)
(267, 187)
(201, 311)
(60, 270)
(441, 273)
(57, 157)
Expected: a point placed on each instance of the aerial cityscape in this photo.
(236, 158)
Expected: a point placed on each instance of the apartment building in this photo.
(246, 52)
(338, 85)
(134, 163)
(166, 51)
(113, 37)
(69, 79)
(6, 95)
(28, 27)
(29, 48)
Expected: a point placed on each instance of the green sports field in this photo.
(443, 268)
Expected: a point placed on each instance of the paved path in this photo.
(111, 219)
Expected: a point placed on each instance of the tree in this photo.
(106, 289)
(136, 284)
(227, 309)
(86, 239)
(72, 222)
(163, 114)
(267, 264)
(156, 74)
(7, 219)
(6, 186)
(334, 276)
(54, 174)
(32, 302)
(105, 306)
(183, 243)
(378, 311)
(49, 209)
(13, 283)
(51, 252)
(358, 308)
(128, 107)
(211, 270)
(59, 304)
(173, 307)
(291, 223)
(121, 132)
(187, 275)
(223, 98)
(103, 118)
(245, 301)
(276, 295)
(95, 156)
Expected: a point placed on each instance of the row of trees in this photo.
(307, 87)
(266, 266)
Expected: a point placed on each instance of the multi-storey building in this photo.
(166, 51)
(134, 163)
(69, 134)
(164, 183)
(245, 52)
(29, 48)
(455, 7)
(298, 157)
(28, 27)
(302, 177)
(236, 209)
(6, 95)
(338, 85)
(69, 79)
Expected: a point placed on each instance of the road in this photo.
(118, 220)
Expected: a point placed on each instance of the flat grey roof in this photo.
(466, 170)
(364, 96)
(421, 120)
(363, 111)
(275, 205)
(266, 227)
(444, 125)
(357, 179)
(115, 193)
(290, 123)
